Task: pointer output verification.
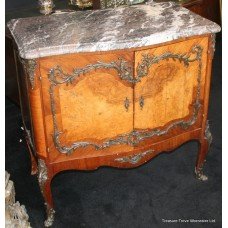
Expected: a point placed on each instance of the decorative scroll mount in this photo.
(46, 6)
(125, 72)
(58, 77)
(149, 60)
(30, 68)
(134, 159)
(50, 216)
(81, 3)
(42, 178)
(42, 174)
(200, 175)
(211, 49)
(208, 135)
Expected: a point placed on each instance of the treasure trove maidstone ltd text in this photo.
(188, 220)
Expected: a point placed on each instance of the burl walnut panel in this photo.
(92, 107)
(169, 90)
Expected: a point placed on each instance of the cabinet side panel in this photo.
(35, 100)
(94, 107)
(23, 95)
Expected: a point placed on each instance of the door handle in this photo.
(126, 103)
(141, 102)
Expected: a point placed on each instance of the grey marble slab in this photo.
(104, 30)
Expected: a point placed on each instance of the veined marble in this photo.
(104, 30)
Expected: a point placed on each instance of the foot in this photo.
(50, 217)
(199, 175)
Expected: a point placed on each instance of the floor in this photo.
(164, 188)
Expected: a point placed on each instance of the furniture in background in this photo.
(11, 86)
(47, 6)
(15, 214)
(93, 96)
(209, 9)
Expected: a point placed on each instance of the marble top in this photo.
(104, 30)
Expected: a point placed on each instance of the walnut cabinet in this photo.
(112, 87)
(116, 108)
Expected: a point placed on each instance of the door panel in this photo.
(85, 100)
(171, 86)
(94, 108)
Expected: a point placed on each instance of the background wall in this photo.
(210, 8)
(28, 8)
(16, 4)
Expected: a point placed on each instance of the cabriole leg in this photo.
(45, 186)
(33, 160)
(203, 150)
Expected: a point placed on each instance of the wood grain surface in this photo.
(169, 90)
(92, 108)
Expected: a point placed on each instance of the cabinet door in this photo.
(88, 100)
(169, 92)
